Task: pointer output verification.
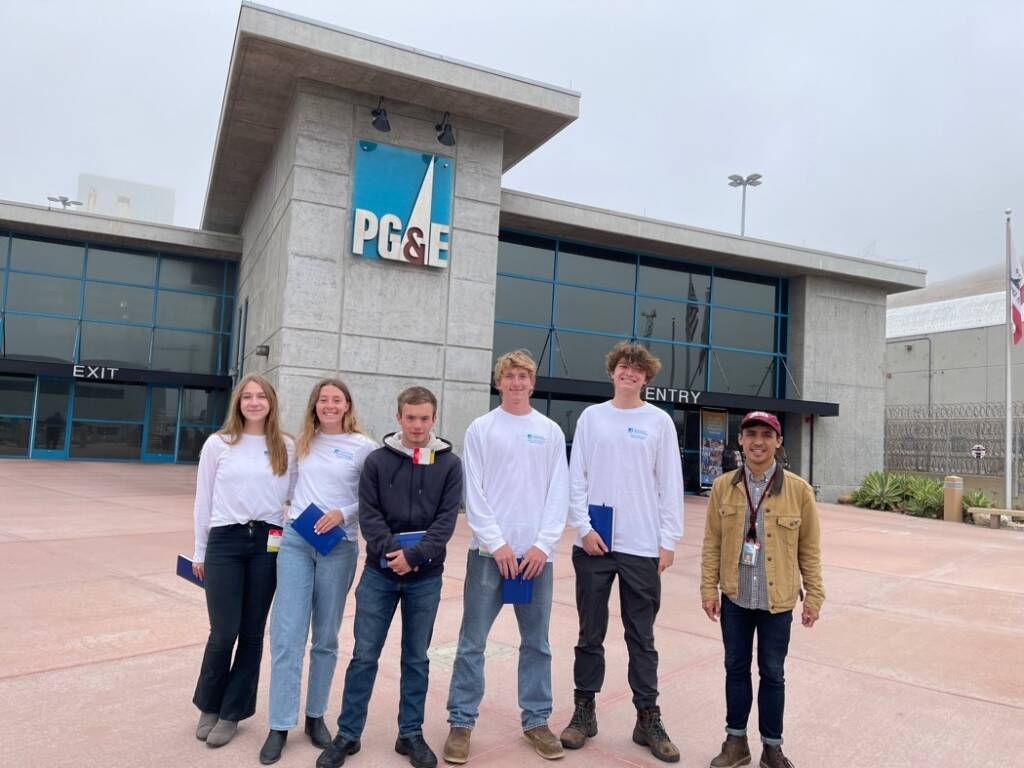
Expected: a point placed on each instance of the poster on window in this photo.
(714, 426)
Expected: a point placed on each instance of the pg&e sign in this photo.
(402, 205)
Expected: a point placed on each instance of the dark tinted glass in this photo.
(524, 300)
(192, 275)
(744, 294)
(51, 414)
(106, 441)
(184, 352)
(52, 258)
(34, 293)
(109, 401)
(190, 442)
(741, 373)
(681, 367)
(594, 266)
(118, 303)
(39, 338)
(123, 346)
(228, 315)
(122, 267)
(163, 420)
(660, 279)
(203, 406)
(4, 243)
(581, 356)
(660, 319)
(528, 256)
(744, 330)
(187, 310)
(16, 395)
(14, 436)
(565, 413)
(533, 340)
(591, 310)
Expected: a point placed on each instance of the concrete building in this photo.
(396, 257)
(125, 199)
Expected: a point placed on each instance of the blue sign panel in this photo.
(402, 204)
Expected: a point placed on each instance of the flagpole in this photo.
(1009, 368)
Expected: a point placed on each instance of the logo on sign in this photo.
(402, 205)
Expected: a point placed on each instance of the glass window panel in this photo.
(203, 406)
(14, 436)
(591, 310)
(163, 420)
(52, 258)
(16, 395)
(530, 256)
(226, 317)
(122, 402)
(124, 346)
(184, 352)
(39, 338)
(581, 356)
(744, 293)
(681, 367)
(662, 279)
(118, 302)
(565, 413)
(4, 242)
(527, 301)
(595, 266)
(745, 330)
(192, 274)
(34, 293)
(188, 310)
(533, 340)
(190, 442)
(106, 441)
(660, 319)
(122, 267)
(51, 414)
(742, 373)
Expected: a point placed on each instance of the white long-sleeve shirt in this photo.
(628, 459)
(235, 485)
(516, 481)
(329, 477)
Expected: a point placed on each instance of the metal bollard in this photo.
(953, 496)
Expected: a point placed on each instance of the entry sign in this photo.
(978, 451)
(402, 205)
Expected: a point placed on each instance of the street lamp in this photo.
(65, 202)
(753, 180)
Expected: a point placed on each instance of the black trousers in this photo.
(240, 580)
(639, 600)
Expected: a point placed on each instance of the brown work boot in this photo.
(772, 757)
(544, 742)
(456, 748)
(650, 732)
(583, 725)
(735, 752)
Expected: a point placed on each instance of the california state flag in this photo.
(1016, 281)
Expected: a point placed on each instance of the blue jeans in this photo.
(738, 627)
(377, 597)
(481, 603)
(311, 588)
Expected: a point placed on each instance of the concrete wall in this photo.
(380, 325)
(837, 349)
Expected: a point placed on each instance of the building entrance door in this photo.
(52, 413)
(161, 431)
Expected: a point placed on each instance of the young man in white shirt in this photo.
(625, 455)
(517, 497)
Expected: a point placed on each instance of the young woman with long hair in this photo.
(311, 588)
(246, 475)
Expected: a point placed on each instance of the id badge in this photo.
(273, 540)
(750, 552)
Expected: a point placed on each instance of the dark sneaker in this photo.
(650, 732)
(735, 752)
(317, 731)
(544, 742)
(334, 756)
(456, 748)
(273, 747)
(206, 722)
(583, 725)
(419, 754)
(772, 757)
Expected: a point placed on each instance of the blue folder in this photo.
(321, 542)
(602, 520)
(404, 541)
(517, 591)
(185, 571)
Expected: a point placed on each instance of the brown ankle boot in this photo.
(456, 748)
(583, 725)
(772, 757)
(735, 752)
(650, 732)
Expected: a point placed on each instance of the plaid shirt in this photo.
(753, 579)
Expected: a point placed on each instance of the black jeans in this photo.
(240, 580)
(639, 600)
(738, 627)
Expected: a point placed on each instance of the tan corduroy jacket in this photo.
(791, 549)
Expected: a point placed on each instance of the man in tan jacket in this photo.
(761, 540)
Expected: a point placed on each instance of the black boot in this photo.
(317, 731)
(335, 754)
(583, 725)
(420, 755)
(273, 747)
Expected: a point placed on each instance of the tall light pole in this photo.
(753, 180)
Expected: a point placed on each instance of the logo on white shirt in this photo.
(341, 453)
(533, 439)
(636, 433)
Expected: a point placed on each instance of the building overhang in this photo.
(274, 50)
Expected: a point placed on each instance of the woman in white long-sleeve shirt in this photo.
(246, 474)
(311, 588)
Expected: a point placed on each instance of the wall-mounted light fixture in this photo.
(445, 134)
(263, 350)
(380, 117)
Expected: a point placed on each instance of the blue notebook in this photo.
(405, 540)
(602, 520)
(185, 571)
(321, 542)
(517, 591)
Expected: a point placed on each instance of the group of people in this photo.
(621, 492)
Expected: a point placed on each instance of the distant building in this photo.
(126, 199)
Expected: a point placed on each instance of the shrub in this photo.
(976, 499)
(924, 497)
(880, 491)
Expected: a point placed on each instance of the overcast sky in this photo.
(885, 130)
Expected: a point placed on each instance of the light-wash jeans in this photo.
(481, 603)
(311, 588)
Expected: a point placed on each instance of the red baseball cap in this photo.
(762, 417)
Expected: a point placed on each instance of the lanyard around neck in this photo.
(752, 530)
